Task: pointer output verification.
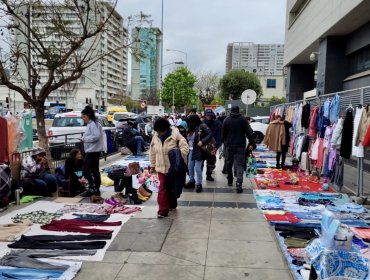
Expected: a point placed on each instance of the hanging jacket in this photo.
(357, 151)
(176, 176)
(334, 108)
(305, 120)
(319, 118)
(275, 136)
(364, 125)
(346, 144)
(312, 126)
(336, 139)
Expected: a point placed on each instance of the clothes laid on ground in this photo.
(98, 209)
(78, 226)
(286, 217)
(36, 217)
(29, 273)
(10, 232)
(297, 232)
(68, 237)
(91, 217)
(292, 242)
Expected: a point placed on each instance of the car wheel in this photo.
(258, 137)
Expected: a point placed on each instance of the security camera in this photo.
(313, 56)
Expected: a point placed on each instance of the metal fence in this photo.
(354, 98)
(60, 151)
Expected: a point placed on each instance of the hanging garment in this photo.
(312, 126)
(320, 157)
(27, 127)
(12, 133)
(357, 151)
(366, 141)
(346, 144)
(336, 138)
(334, 109)
(328, 136)
(4, 152)
(306, 111)
(364, 124)
(5, 185)
(275, 136)
(327, 108)
(337, 175)
(298, 126)
(314, 153)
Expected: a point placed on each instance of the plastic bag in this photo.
(105, 180)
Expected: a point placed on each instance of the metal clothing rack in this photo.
(354, 97)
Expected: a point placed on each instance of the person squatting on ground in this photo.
(198, 135)
(131, 137)
(93, 146)
(35, 170)
(215, 126)
(235, 129)
(74, 172)
(164, 140)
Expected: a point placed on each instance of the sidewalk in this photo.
(200, 240)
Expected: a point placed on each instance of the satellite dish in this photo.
(249, 97)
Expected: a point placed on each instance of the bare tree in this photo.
(207, 84)
(61, 38)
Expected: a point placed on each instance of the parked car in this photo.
(67, 130)
(143, 123)
(121, 116)
(259, 126)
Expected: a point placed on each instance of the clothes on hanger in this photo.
(346, 143)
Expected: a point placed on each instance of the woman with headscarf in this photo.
(198, 135)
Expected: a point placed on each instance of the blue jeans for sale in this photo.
(197, 166)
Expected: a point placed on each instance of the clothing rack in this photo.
(354, 97)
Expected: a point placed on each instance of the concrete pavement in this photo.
(223, 236)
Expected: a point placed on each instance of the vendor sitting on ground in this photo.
(73, 172)
(35, 172)
(131, 137)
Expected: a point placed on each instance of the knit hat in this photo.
(184, 125)
(235, 109)
(37, 151)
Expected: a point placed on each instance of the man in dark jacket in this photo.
(215, 126)
(235, 130)
(222, 117)
(131, 137)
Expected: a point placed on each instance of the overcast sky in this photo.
(203, 28)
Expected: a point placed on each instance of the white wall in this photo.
(12, 95)
(270, 92)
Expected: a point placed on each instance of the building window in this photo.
(271, 83)
(359, 61)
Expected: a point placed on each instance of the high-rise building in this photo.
(262, 59)
(265, 60)
(327, 46)
(101, 84)
(146, 57)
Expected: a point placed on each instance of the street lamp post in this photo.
(161, 76)
(186, 55)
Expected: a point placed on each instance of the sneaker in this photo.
(198, 188)
(230, 182)
(239, 188)
(189, 185)
(161, 216)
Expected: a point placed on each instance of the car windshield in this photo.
(117, 117)
(68, 122)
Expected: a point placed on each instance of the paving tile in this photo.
(252, 254)
(147, 212)
(98, 271)
(139, 242)
(237, 215)
(156, 258)
(222, 273)
(236, 230)
(224, 204)
(201, 203)
(193, 250)
(182, 203)
(147, 225)
(122, 242)
(234, 197)
(232, 190)
(116, 256)
(246, 205)
(189, 229)
(203, 196)
(160, 272)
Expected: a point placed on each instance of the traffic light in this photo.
(7, 102)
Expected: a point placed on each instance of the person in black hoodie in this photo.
(215, 126)
(235, 130)
(74, 172)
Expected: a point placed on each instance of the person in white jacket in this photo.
(93, 140)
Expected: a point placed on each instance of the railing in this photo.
(60, 150)
(354, 98)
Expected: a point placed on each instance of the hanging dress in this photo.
(347, 135)
(357, 151)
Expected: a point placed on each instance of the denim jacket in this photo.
(334, 108)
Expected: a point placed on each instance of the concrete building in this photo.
(146, 58)
(265, 60)
(327, 46)
(106, 80)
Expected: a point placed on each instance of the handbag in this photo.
(210, 148)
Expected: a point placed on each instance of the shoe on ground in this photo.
(161, 216)
(239, 188)
(189, 185)
(198, 188)
(90, 192)
(210, 178)
(230, 182)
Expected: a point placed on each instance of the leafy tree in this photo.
(235, 82)
(150, 95)
(131, 105)
(207, 85)
(218, 100)
(76, 26)
(178, 86)
(278, 100)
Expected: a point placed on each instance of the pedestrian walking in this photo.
(235, 130)
(215, 126)
(198, 135)
(93, 140)
(164, 140)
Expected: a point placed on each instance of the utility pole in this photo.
(173, 99)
